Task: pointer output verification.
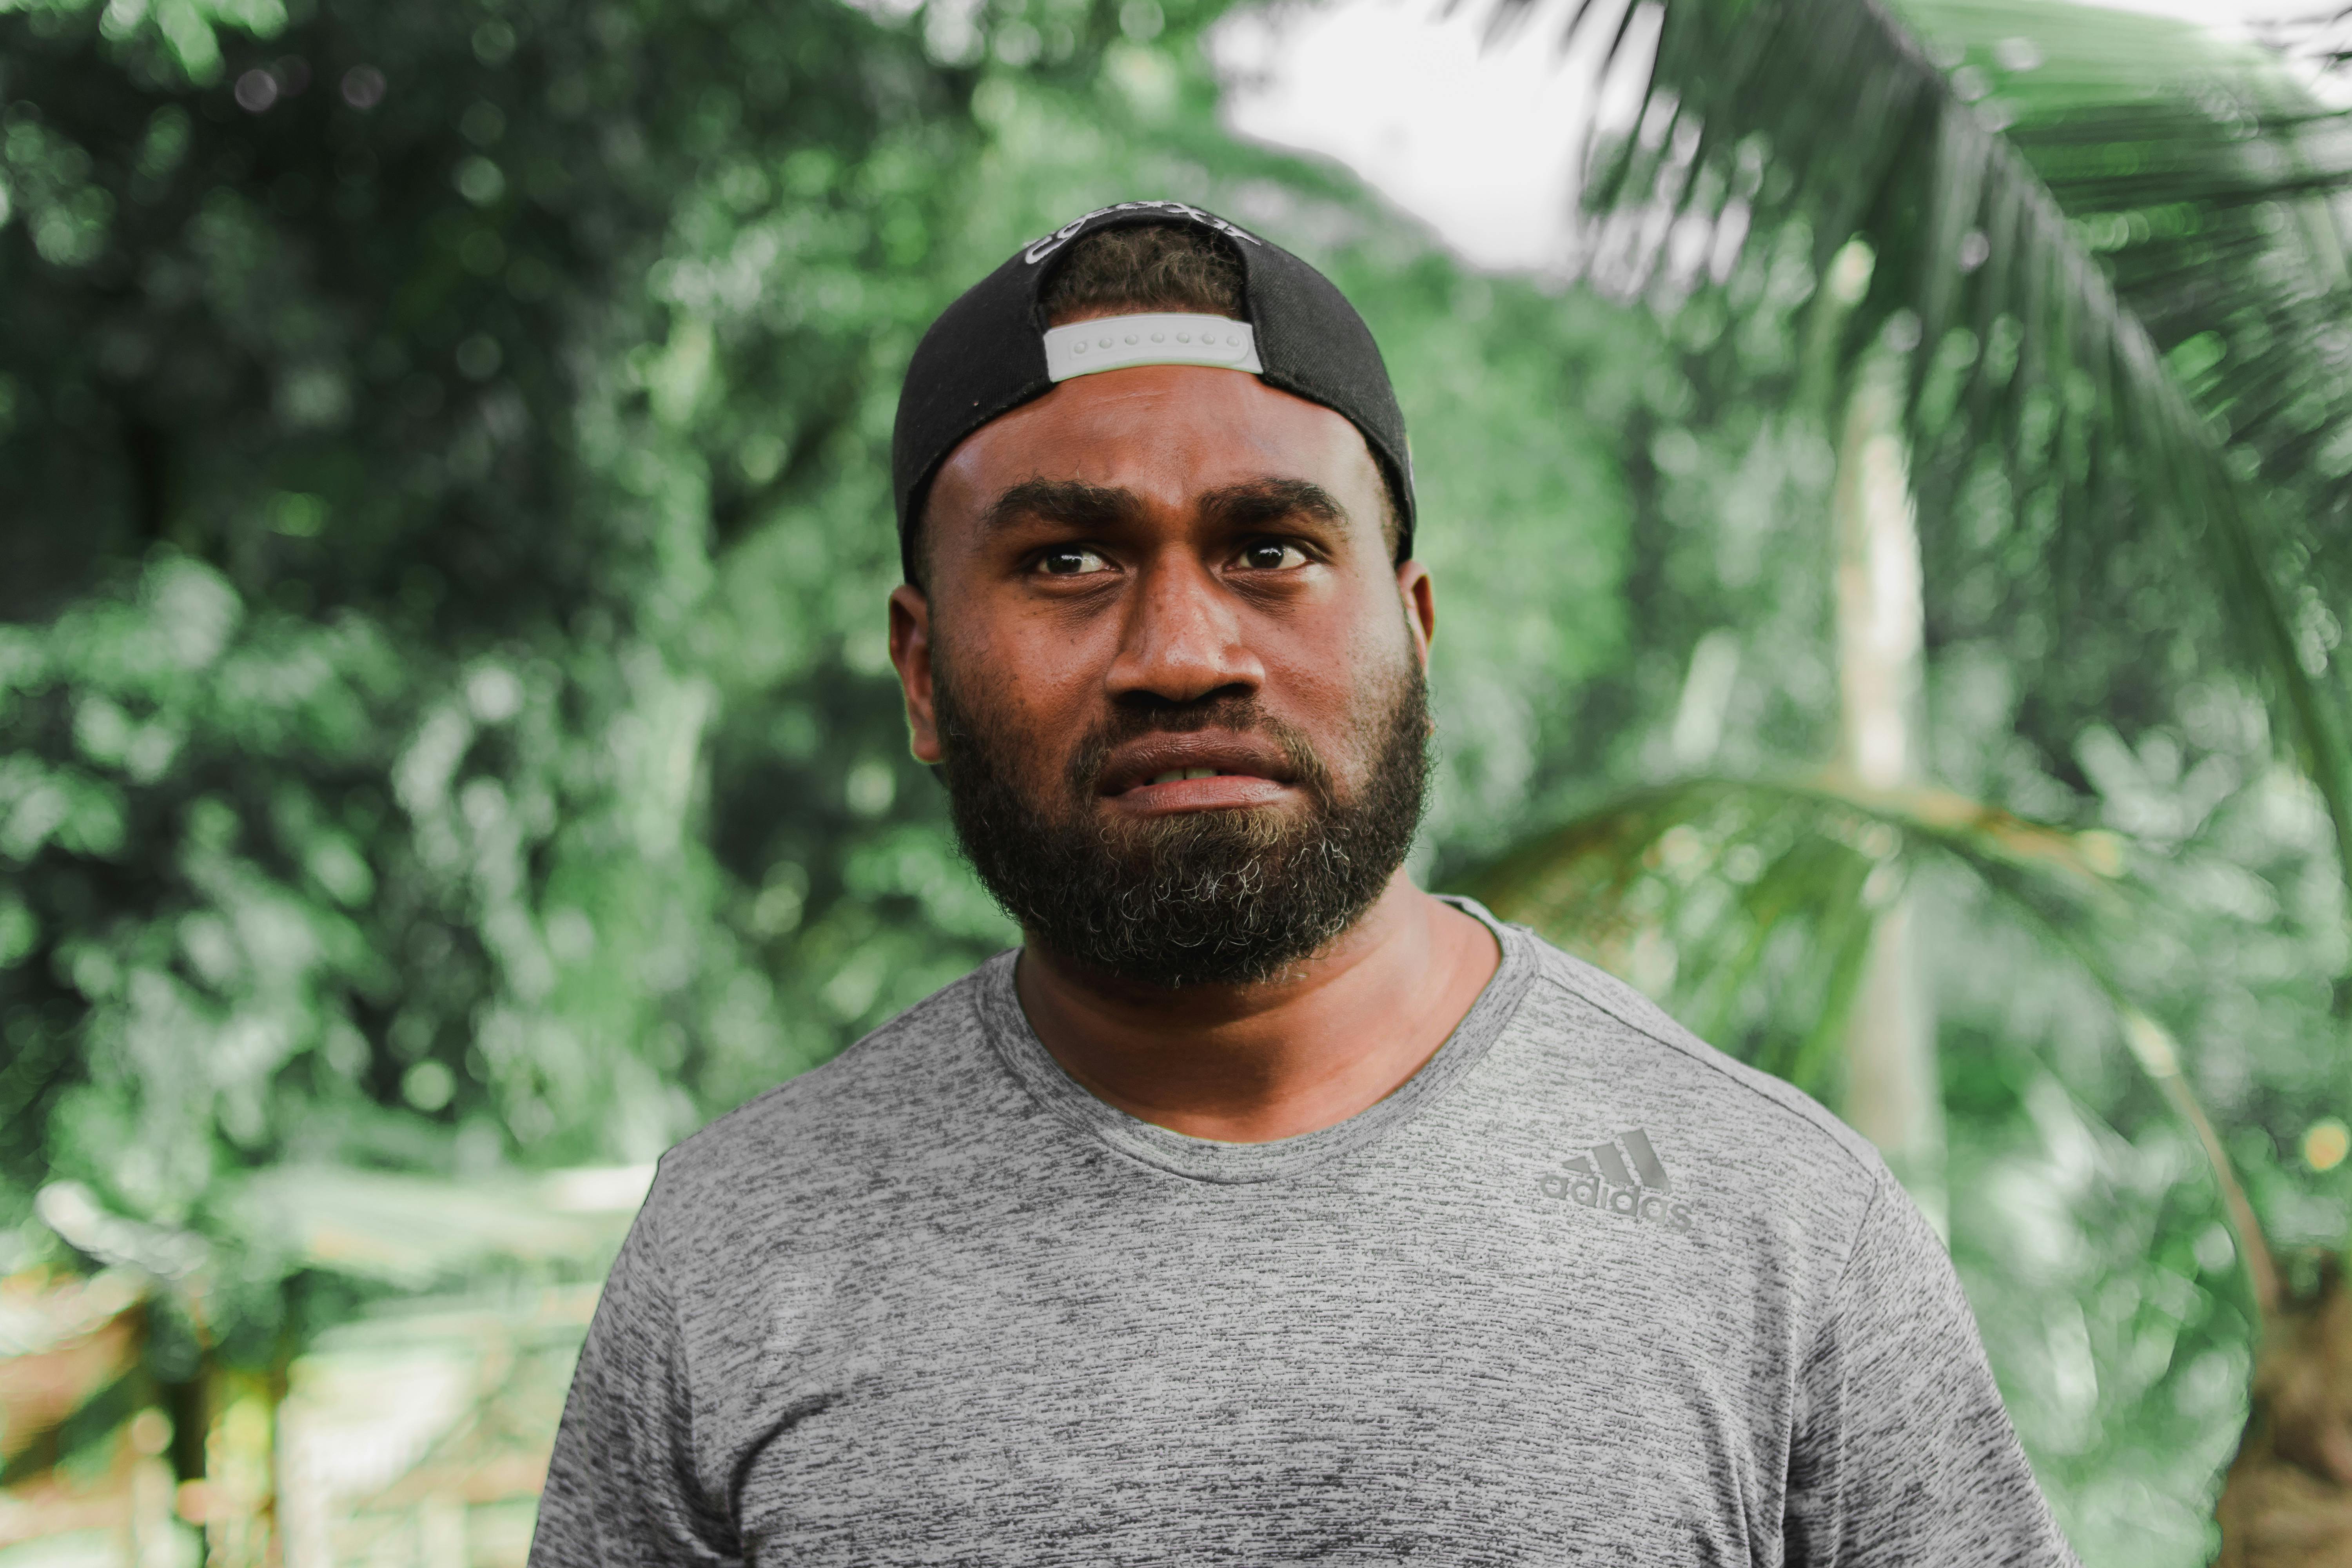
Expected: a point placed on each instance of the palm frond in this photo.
(416, 1230)
(2112, 238)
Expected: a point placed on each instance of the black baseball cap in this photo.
(992, 351)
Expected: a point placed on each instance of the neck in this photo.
(1304, 1050)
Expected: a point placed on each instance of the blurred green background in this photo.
(447, 752)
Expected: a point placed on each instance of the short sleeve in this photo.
(623, 1490)
(1903, 1455)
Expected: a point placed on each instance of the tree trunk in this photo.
(2288, 1499)
(1894, 1097)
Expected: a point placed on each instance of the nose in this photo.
(1182, 640)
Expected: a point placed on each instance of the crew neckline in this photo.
(1211, 1159)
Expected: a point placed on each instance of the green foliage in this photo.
(2105, 247)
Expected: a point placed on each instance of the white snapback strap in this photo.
(1116, 342)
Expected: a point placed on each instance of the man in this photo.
(1261, 1207)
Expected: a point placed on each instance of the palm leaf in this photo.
(416, 1230)
(2115, 236)
(394, 1228)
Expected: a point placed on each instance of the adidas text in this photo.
(1624, 1177)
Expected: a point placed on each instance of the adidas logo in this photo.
(1623, 1177)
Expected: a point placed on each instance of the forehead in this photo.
(1167, 432)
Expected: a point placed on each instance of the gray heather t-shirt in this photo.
(1583, 1290)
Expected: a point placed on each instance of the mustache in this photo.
(1236, 711)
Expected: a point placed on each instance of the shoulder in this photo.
(1594, 1055)
(830, 1127)
(1732, 1086)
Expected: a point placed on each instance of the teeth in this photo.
(1174, 774)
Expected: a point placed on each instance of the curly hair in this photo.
(1152, 266)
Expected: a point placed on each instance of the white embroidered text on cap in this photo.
(1118, 343)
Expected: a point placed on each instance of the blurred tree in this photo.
(2073, 220)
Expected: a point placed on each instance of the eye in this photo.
(1071, 561)
(1272, 555)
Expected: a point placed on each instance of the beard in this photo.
(1223, 897)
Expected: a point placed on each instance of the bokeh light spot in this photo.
(364, 86)
(257, 90)
(2325, 1144)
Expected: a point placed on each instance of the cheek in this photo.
(1384, 632)
(1340, 687)
(1031, 692)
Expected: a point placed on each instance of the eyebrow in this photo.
(1260, 503)
(1254, 503)
(1072, 502)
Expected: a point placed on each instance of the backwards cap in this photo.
(992, 351)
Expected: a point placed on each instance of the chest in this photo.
(1459, 1374)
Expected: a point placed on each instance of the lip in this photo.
(1247, 771)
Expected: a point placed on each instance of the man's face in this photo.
(1173, 677)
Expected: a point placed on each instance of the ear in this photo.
(1418, 597)
(911, 651)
